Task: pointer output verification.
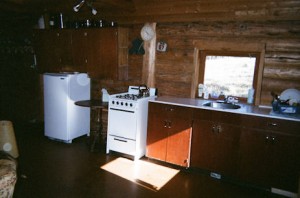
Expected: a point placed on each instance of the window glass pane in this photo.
(230, 74)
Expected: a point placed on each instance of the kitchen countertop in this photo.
(245, 108)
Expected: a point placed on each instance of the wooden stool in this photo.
(96, 137)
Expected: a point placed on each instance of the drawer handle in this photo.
(170, 124)
(120, 140)
(272, 124)
(169, 109)
(273, 139)
(270, 139)
(216, 129)
(165, 124)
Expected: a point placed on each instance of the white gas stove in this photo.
(127, 121)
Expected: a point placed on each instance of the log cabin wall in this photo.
(134, 70)
(179, 23)
(174, 68)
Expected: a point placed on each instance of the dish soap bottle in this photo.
(200, 90)
(250, 96)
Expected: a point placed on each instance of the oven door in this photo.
(122, 123)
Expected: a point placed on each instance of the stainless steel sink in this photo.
(221, 105)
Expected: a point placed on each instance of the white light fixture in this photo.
(77, 7)
(94, 11)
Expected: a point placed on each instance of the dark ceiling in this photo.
(11, 10)
(140, 11)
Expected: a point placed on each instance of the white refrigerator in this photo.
(64, 120)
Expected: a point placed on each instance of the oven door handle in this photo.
(114, 109)
(120, 140)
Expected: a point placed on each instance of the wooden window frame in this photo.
(226, 48)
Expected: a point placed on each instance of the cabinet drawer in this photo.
(170, 111)
(271, 124)
(217, 116)
(121, 145)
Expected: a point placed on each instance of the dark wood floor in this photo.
(47, 168)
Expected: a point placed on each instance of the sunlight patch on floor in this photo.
(146, 174)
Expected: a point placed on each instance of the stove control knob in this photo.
(117, 103)
(126, 104)
(113, 102)
(122, 103)
(130, 105)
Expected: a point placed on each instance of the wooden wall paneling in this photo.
(176, 89)
(286, 44)
(282, 66)
(281, 50)
(135, 63)
(280, 72)
(194, 84)
(174, 68)
(123, 53)
(242, 30)
(149, 60)
(188, 11)
(135, 67)
(104, 54)
(258, 85)
(135, 60)
(141, 11)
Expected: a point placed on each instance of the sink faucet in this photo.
(231, 99)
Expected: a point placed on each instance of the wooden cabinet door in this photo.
(102, 53)
(80, 49)
(156, 133)
(254, 157)
(45, 50)
(156, 138)
(53, 50)
(169, 133)
(179, 137)
(215, 145)
(285, 164)
(64, 49)
(85, 50)
(270, 159)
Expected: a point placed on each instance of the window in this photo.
(232, 75)
(232, 67)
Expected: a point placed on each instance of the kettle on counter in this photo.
(144, 91)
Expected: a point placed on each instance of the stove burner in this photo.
(129, 96)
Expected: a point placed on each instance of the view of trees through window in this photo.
(231, 75)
